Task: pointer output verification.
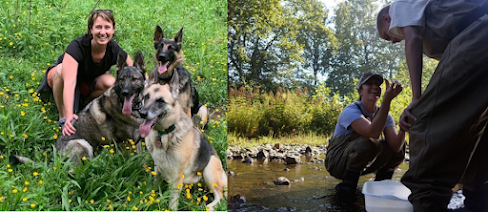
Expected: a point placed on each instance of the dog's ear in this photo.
(121, 61)
(158, 35)
(179, 37)
(174, 85)
(139, 62)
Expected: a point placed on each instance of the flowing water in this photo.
(313, 189)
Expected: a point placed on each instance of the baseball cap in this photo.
(368, 76)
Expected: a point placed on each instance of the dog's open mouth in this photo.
(163, 67)
(127, 108)
(146, 126)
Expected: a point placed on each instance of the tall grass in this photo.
(32, 35)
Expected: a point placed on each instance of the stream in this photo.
(313, 189)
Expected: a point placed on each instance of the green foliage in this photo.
(287, 113)
(32, 35)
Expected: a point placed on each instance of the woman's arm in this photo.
(69, 72)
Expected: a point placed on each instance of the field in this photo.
(32, 35)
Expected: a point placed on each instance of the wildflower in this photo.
(1, 156)
(55, 136)
(199, 174)
(40, 182)
(134, 208)
(24, 135)
(83, 158)
(8, 165)
(108, 201)
(205, 198)
(207, 208)
(1, 198)
(33, 205)
(15, 191)
(35, 174)
(25, 189)
(92, 201)
(110, 206)
(11, 76)
(103, 138)
(24, 200)
(106, 146)
(112, 151)
(128, 198)
(26, 183)
(55, 168)
(44, 153)
(183, 176)
(10, 170)
(153, 173)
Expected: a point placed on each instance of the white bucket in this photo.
(386, 196)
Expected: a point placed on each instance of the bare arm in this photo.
(395, 139)
(69, 72)
(413, 53)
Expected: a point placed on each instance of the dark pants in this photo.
(354, 153)
(449, 143)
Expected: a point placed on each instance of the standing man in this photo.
(448, 141)
(357, 146)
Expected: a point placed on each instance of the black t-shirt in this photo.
(80, 50)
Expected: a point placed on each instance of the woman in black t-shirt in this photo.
(81, 70)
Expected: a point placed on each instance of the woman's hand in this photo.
(68, 128)
(392, 90)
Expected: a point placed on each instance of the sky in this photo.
(331, 4)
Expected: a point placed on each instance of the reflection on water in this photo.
(314, 193)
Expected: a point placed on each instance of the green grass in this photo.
(32, 35)
(310, 139)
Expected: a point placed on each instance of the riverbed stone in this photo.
(281, 181)
(292, 160)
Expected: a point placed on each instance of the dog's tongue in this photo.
(127, 109)
(162, 67)
(145, 127)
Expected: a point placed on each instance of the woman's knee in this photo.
(55, 75)
(104, 82)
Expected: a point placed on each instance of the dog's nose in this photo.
(125, 92)
(143, 113)
(162, 57)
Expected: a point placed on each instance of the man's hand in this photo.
(68, 128)
(404, 125)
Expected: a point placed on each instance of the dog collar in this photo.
(170, 129)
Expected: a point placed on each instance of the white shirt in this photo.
(406, 13)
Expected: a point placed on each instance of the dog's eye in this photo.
(160, 100)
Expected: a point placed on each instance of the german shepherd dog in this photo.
(169, 58)
(108, 117)
(180, 152)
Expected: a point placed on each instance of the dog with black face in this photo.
(169, 59)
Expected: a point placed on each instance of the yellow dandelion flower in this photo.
(92, 201)
(1, 198)
(128, 198)
(15, 191)
(134, 208)
(207, 208)
(153, 173)
(55, 136)
(11, 76)
(106, 146)
(111, 151)
(24, 135)
(11, 135)
(110, 207)
(188, 195)
(24, 199)
(103, 138)
(199, 174)
(33, 205)
(108, 201)
(83, 158)
(1, 157)
(25, 189)
(143, 144)
(44, 153)
(130, 192)
(1, 93)
(199, 199)
(158, 200)
(205, 198)
(26, 183)
(55, 168)
(214, 184)
(8, 165)
(40, 182)
(140, 192)
(35, 174)
(183, 176)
